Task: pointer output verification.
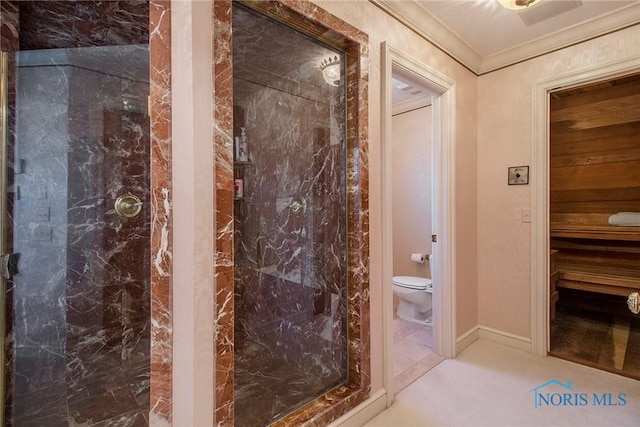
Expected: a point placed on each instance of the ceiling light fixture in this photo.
(517, 4)
(331, 70)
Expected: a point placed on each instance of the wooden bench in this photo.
(600, 283)
(602, 259)
(596, 232)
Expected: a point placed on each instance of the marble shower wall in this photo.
(63, 24)
(161, 208)
(290, 269)
(9, 26)
(319, 25)
(110, 144)
(81, 320)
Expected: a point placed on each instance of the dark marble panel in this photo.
(296, 154)
(9, 26)
(261, 372)
(298, 278)
(109, 255)
(83, 292)
(65, 24)
(52, 24)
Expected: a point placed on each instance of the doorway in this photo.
(441, 91)
(540, 266)
(595, 249)
(412, 160)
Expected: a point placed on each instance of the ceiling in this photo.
(484, 37)
(408, 92)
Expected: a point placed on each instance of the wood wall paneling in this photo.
(595, 151)
(595, 173)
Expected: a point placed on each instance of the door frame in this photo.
(442, 204)
(540, 239)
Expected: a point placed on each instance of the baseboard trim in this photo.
(466, 339)
(494, 335)
(505, 338)
(364, 412)
(377, 402)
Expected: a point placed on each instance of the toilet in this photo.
(414, 294)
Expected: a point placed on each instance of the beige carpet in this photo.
(493, 385)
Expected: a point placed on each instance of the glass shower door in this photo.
(76, 224)
(290, 216)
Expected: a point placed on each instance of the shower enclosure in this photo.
(290, 218)
(76, 214)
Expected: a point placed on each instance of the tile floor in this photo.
(597, 330)
(413, 352)
(261, 372)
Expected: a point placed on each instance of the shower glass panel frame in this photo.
(4, 114)
(350, 43)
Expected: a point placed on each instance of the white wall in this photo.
(193, 225)
(411, 178)
(505, 139)
(492, 132)
(381, 27)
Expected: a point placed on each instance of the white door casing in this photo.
(443, 212)
(540, 188)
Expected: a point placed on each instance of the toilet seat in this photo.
(410, 282)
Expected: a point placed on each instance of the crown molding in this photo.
(426, 25)
(578, 33)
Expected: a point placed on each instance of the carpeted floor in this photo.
(493, 385)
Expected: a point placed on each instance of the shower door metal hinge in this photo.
(9, 265)
(434, 238)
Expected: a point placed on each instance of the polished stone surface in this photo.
(80, 318)
(289, 262)
(64, 24)
(91, 335)
(291, 306)
(161, 206)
